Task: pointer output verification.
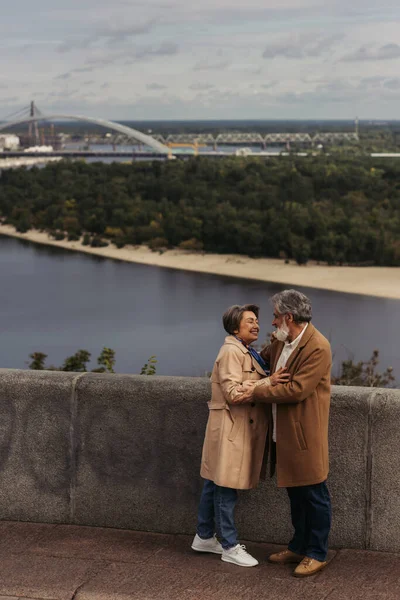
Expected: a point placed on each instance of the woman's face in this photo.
(248, 328)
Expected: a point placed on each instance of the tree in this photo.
(364, 373)
(38, 361)
(150, 367)
(337, 209)
(77, 362)
(106, 360)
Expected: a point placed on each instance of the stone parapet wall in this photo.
(124, 451)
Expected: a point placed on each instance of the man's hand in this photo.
(280, 376)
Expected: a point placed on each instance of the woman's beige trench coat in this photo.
(234, 445)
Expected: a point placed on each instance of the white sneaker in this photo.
(238, 556)
(210, 545)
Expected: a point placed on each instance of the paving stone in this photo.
(47, 578)
(56, 562)
(16, 538)
(113, 545)
(137, 582)
(221, 587)
(145, 582)
(363, 594)
(179, 555)
(356, 571)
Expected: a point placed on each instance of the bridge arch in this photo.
(128, 131)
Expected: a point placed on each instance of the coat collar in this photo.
(304, 340)
(230, 339)
(309, 332)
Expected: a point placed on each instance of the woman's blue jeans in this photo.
(216, 513)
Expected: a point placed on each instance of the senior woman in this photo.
(234, 445)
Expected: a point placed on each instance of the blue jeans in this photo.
(311, 518)
(216, 510)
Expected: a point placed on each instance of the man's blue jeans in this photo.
(311, 518)
(216, 512)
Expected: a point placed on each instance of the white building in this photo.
(9, 142)
(39, 149)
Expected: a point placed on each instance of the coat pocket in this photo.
(300, 436)
(236, 427)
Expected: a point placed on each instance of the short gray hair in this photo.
(295, 303)
(232, 317)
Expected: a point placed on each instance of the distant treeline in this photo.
(336, 210)
(368, 129)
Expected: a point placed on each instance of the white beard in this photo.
(282, 333)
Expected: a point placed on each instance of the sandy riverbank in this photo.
(374, 281)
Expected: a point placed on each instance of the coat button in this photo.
(253, 404)
(251, 421)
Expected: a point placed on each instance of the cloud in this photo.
(82, 70)
(128, 56)
(219, 12)
(165, 49)
(209, 66)
(329, 58)
(304, 46)
(393, 83)
(369, 53)
(269, 85)
(155, 86)
(201, 86)
(63, 93)
(69, 74)
(10, 99)
(371, 82)
(109, 35)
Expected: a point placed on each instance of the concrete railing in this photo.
(124, 451)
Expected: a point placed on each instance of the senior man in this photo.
(298, 441)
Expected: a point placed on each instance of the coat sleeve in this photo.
(302, 384)
(230, 373)
(271, 350)
(266, 354)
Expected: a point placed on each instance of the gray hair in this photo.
(295, 303)
(232, 317)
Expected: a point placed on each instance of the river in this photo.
(57, 302)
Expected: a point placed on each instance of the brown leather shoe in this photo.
(309, 566)
(285, 557)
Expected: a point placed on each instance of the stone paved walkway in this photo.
(62, 562)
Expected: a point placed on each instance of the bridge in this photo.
(164, 144)
(32, 116)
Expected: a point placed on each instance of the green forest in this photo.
(338, 210)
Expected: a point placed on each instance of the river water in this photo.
(56, 301)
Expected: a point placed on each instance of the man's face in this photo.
(280, 323)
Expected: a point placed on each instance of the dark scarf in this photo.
(256, 357)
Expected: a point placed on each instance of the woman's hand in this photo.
(246, 391)
(280, 376)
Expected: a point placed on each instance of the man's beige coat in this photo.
(302, 410)
(234, 445)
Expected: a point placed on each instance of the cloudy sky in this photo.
(180, 59)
